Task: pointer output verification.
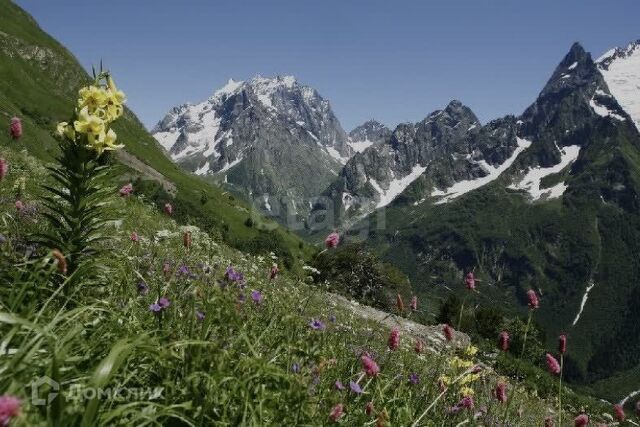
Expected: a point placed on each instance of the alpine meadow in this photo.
(243, 260)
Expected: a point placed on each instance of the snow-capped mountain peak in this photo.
(249, 134)
(231, 87)
(620, 68)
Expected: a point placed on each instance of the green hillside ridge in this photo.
(266, 358)
(39, 80)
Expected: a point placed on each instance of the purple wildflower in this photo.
(355, 387)
(338, 385)
(183, 271)
(155, 308)
(295, 368)
(414, 378)
(164, 303)
(233, 275)
(317, 324)
(200, 315)
(256, 296)
(332, 318)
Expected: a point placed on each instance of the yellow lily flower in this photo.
(114, 107)
(65, 129)
(109, 141)
(88, 123)
(92, 97)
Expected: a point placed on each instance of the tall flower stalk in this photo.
(533, 304)
(562, 348)
(77, 203)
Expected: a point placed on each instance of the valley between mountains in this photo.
(547, 199)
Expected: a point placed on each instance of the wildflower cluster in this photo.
(99, 105)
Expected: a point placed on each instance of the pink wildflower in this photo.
(552, 364)
(394, 339)
(562, 344)
(501, 392)
(448, 332)
(4, 168)
(470, 281)
(369, 365)
(419, 347)
(620, 416)
(336, 412)
(581, 420)
(19, 205)
(168, 209)
(465, 403)
(126, 190)
(15, 128)
(533, 299)
(273, 273)
(9, 408)
(332, 240)
(414, 303)
(134, 237)
(503, 340)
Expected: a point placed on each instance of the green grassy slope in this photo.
(39, 80)
(247, 363)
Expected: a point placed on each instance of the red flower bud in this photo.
(552, 364)
(533, 299)
(501, 392)
(470, 281)
(4, 168)
(503, 341)
(562, 344)
(448, 332)
(15, 129)
(581, 420)
(394, 339)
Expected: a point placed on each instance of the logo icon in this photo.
(52, 389)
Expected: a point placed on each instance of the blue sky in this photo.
(394, 61)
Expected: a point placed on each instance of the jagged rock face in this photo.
(368, 134)
(446, 147)
(263, 138)
(574, 96)
(450, 153)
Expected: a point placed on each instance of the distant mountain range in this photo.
(548, 199)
